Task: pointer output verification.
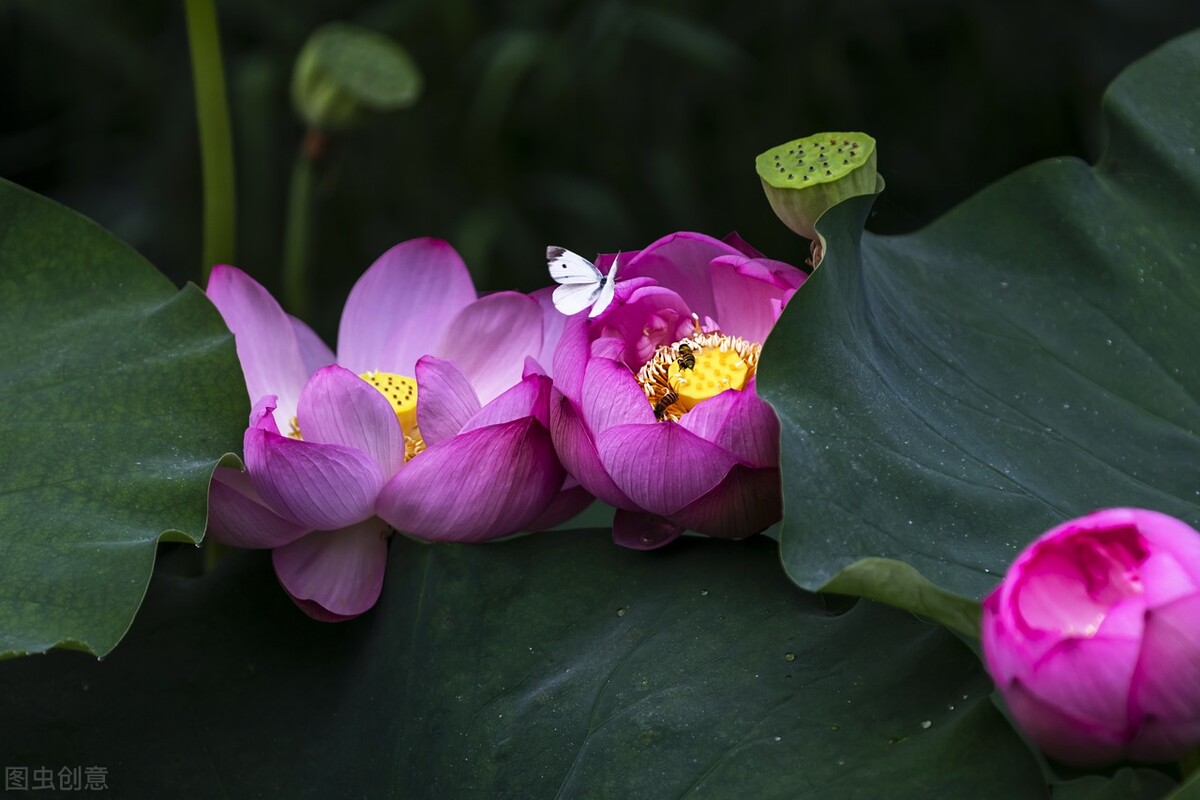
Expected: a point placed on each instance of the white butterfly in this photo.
(582, 284)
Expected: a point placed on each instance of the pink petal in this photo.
(1003, 651)
(627, 290)
(238, 518)
(321, 486)
(1047, 589)
(650, 316)
(612, 396)
(265, 338)
(1067, 738)
(338, 407)
(639, 530)
(746, 502)
(553, 322)
(661, 466)
(680, 261)
(1010, 647)
(610, 347)
(533, 367)
(402, 305)
(740, 422)
(1164, 578)
(570, 500)
(313, 352)
(479, 485)
(780, 272)
(735, 241)
(1125, 619)
(262, 414)
(335, 575)
(490, 339)
(1166, 684)
(571, 356)
(577, 450)
(1088, 678)
(710, 417)
(319, 612)
(1163, 740)
(1172, 535)
(748, 290)
(604, 260)
(529, 398)
(445, 399)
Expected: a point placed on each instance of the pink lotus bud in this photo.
(1093, 638)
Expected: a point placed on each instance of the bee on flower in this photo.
(654, 407)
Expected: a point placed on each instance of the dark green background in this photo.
(599, 125)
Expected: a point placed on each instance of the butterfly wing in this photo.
(603, 297)
(607, 289)
(571, 268)
(573, 298)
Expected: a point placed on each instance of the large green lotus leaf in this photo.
(1129, 783)
(948, 395)
(556, 665)
(119, 395)
(1189, 789)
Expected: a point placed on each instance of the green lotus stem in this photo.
(213, 551)
(216, 141)
(296, 239)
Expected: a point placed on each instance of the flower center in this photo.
(401, 394)
(680, 375)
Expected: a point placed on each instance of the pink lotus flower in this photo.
(432, 421)
(1093, 638)
(655, 409)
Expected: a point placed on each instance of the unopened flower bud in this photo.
(1093, 638)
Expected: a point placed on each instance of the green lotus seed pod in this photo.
(806, 177)
(345, 73)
